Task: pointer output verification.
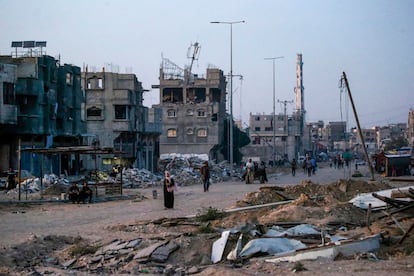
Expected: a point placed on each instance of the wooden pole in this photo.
(358, 126)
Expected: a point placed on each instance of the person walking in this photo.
(249, 171)
(309, 166)
(263, 174)
(11, 179)
(169, 187)
(205, 176)
(293, 165)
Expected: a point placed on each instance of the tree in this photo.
(396, 143)
(240, 139)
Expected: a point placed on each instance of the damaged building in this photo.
(40, 107)
(115, 118)
(45, 104)
(193, 111)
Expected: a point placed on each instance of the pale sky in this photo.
(372, 41)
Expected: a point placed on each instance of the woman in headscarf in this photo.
(169, 186)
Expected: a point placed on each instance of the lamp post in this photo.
(273, 59)
(231, 85)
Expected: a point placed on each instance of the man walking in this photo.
(293, 164)
(205, 176)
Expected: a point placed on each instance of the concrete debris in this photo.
(270, 246)
(235, 253)
(146, 252)
(330, 252)
(299, 230)
(218, 247)
(364, 200)
(186, 169)
(161, 254)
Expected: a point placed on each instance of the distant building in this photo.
(193, 111)
(386, 134)
(337, 136)
(273, 138)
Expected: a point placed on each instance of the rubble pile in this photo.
(138, 178)
(186, 170)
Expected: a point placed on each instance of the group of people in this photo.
(254, 170)
(78, 195)
(310, 166)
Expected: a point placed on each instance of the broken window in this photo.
(200, 95)
(215, 95)
(95, 83)
(191, 96)
(69, 78)
(202, 132)
(201, 113)
(94, 112)
(121, 112)
(26, 104)
(172, 95)
(172, 132)
(99, 83)
(8, 93)
(171, 113)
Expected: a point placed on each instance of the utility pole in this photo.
(273, 59)
(285, 127)
(230, 23)
(358, 125)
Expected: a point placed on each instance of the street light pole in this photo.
(231, 85)
(274, 109)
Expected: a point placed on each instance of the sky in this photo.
(372, 41)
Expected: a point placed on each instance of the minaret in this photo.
(300, 103)
(299, 91)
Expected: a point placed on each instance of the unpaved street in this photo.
(19, 222)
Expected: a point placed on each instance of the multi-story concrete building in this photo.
(41, 109)
(337, 136)
(151, 138)
(193, 111)
(115, 118)
(370, 139)
(273, 138)
(8, 115)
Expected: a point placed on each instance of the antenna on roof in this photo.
(193, 53)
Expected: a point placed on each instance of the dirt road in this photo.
(19, 222)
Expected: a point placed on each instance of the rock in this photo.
(162, 253)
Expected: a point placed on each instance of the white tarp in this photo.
(270, 246)
(363, 200)
(347, 248)
(298, 230)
